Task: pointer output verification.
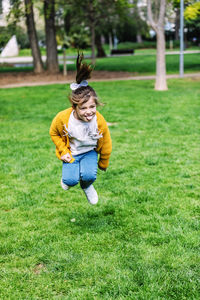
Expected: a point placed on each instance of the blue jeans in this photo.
(83, 169)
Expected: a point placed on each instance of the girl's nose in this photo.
(88, 112)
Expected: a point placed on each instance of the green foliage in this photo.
(192, 16)
(142, 240)
(22, 38)
(192, 12)
(41, 37)
(9, 31)
(127, 30)
(104, 15)
(4, 37)
(131, 45)
(16, 12)
(176, 3)
(129, 23)
(79, 37)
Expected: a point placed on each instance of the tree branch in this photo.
(161, 13)
(150, 17)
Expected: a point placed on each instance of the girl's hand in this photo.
(66, 157)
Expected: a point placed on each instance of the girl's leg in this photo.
(88, 169)
(71, 173)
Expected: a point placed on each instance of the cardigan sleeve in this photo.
(55, 129)
(106, 148)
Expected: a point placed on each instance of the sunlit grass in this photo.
(142, 240)
(138, 50)
(138, 65)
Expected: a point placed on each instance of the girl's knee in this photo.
(89, 177)
(70, 181)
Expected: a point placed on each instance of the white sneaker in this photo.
(63, 185)
(91, 194)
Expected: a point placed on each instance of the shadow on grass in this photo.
(100, 220)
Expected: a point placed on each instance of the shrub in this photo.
(22, 38)
(9, 31)
(4, 37)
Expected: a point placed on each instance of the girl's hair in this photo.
(83, 93)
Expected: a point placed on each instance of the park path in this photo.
(64, 81)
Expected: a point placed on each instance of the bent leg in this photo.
(71, 173)
(88, 169)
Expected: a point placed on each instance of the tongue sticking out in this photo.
(89, 118)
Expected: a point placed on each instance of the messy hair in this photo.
(83, 93)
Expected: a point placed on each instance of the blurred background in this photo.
(50, 27)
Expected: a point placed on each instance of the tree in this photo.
(157, 23)
(139, 17)
(96, 15)
(98, 43)
(176, 8)
(191, 15)
(50, 30)
(177, 23)
(37, 60)
(192, 21)
(17, 12)
(192, 12)
(139, 23)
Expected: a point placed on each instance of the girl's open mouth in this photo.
(89, 118)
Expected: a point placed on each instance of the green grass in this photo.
(146, 64)
(153, 50)
(69, 51)
(27, 52)
(146, 47)
(140, 65)
(142, 240)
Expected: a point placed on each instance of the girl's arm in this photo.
(55, 129)
(106, 148)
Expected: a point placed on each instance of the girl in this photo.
(80, 133)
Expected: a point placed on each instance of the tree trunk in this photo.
(136, 16)
(92, 27)
(110, 42)
(37, 60)
(158, 26)
(161, 83)
(139, 38)
(100, 50)
(50, 30)
(177, 24)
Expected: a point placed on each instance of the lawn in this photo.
(146, 48)
(142, 239)
(146, 64)
(138, 64)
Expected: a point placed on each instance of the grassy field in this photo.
(146, 49)
(138, 64)
(142, 239)
(146, 64)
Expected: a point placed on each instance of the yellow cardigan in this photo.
(61, 140)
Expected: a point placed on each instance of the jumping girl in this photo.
(80, 133)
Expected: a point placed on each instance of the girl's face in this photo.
(85, 111)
